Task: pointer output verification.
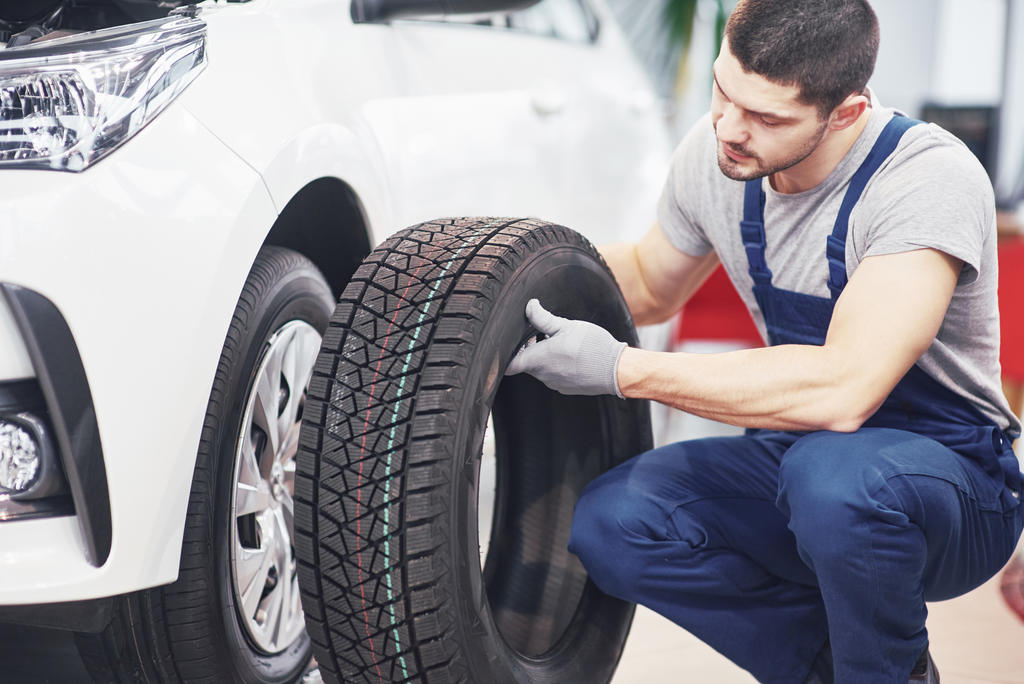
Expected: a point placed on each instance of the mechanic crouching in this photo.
(876, 472)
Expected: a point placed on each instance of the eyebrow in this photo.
(769, 115)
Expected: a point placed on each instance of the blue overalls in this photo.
(766, 545)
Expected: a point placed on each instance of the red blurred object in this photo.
(716, 312)
(1011, 308)
(1012, 585)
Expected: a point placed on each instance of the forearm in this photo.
(787, 387)
(623, 261)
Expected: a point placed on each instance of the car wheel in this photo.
(388, 487)
(234, 614)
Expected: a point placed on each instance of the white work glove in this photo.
(576, 357)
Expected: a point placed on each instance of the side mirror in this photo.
(367, 11)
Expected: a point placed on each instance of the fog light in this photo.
(19, 457)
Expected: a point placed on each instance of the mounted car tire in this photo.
(234, 614)
(411, 368)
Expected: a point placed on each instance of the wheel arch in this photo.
(325, 222)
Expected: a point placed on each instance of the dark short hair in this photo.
(827, 48)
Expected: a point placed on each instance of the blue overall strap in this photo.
(752, 232)
(835, 245)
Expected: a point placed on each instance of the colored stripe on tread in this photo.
(359, 478)
(390, 445)
(391, 442)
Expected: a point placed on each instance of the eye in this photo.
(769, 123)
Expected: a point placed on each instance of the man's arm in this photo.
(887, 316)
(655, 277)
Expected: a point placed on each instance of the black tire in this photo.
(389, 459)
(191, 631)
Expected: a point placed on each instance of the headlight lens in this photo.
(66, 103)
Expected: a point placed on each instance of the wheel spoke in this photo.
(265, 413)
(288, 512)
(307, 346)
(283, 537)
(288, 475)
(278, 615)
(310, 348)
(274, 358)
(295, 609)
(298, 359)
(256, 570)
(273, 604)
(285, 371)
(290, 363)
(248, 563)
(290, 444)
(250, 499)
(248, 467)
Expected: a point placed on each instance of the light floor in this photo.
(975, 639)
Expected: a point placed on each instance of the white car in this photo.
(185, 192)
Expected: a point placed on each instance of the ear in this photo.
(848, 111)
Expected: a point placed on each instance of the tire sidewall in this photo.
(299, 294)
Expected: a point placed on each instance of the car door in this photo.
(542, 112)
(466, 131)
(613, 143)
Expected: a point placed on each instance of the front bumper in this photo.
(143, 256)
(69, 414)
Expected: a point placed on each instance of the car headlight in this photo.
(68, 102)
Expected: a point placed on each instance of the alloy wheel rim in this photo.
(487, 491)
(263, 568)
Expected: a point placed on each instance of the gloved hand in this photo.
(576, 357)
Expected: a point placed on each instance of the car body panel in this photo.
(15, 363)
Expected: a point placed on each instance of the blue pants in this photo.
(765, 545)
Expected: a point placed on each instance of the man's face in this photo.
(762, 127)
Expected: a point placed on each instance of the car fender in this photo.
(333, 151)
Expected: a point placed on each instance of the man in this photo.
(877, 472)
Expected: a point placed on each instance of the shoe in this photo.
(924, 670)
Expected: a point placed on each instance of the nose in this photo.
(730, 127)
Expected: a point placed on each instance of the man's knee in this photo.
(827, 487)
(609, 528)
(814, 462)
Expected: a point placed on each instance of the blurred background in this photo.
(954, 62)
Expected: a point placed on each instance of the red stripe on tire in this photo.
(359, 476)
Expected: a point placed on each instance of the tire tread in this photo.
(375, 375)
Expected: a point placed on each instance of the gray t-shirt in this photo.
(930, 193)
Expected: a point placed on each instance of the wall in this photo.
(905, 69)
(947, 52)
(1010, 182)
